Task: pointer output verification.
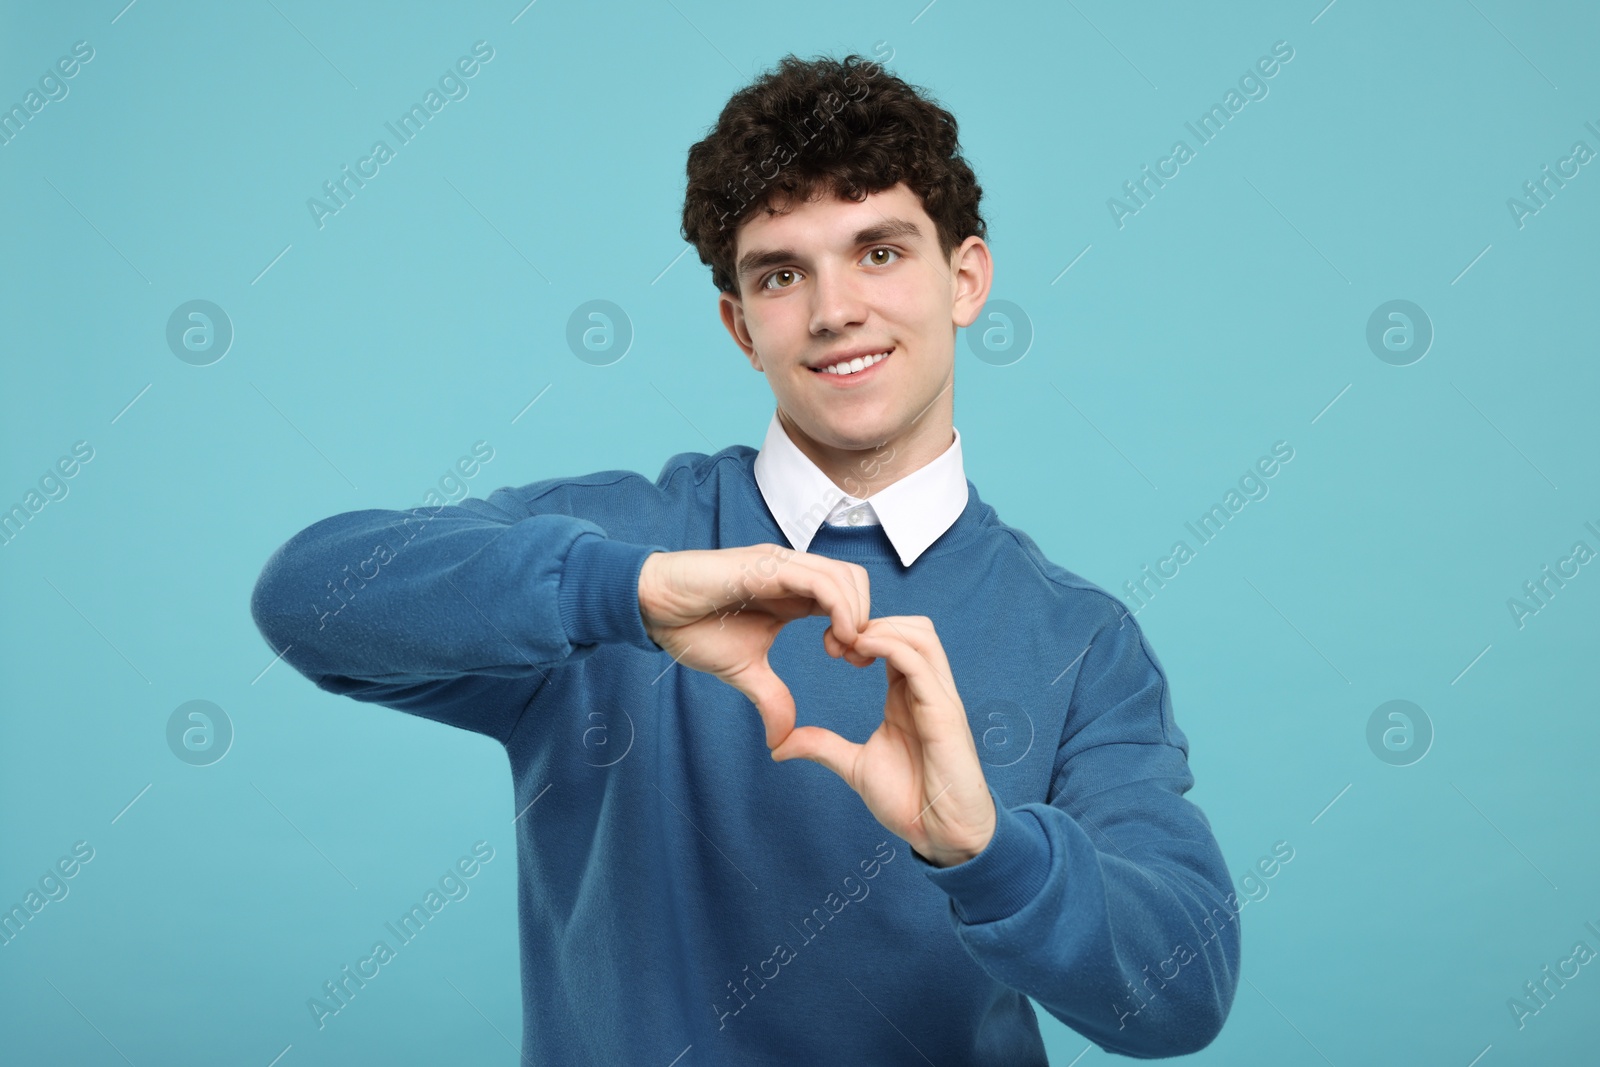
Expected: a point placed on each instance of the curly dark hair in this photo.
(845, 127)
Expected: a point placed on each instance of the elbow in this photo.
(1200, 1017)
(1183, 1032)
(272, 607)
(1200, 1029)
(1179, 1018)
(299, 597)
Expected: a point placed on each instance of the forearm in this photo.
(399, 597)
(1128, 939)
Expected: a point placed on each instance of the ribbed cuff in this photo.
(1010, 871)
(599, 593)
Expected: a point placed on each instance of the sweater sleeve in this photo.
(456, 613)
(1110, 904)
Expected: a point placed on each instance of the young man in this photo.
(736, 849)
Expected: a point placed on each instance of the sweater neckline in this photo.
(862, 544)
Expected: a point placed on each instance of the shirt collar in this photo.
(914, 511)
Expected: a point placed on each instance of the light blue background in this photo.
(370, 354)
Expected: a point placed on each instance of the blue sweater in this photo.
(678, 889)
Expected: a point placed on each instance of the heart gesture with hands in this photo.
(718, 610)
(919, 772)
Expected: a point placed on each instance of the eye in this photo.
(773, 275)
(891, 251)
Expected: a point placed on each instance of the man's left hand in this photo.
(918, 773)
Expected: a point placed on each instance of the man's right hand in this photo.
(719, 610)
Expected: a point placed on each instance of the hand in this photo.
(918, 773)
(685, 597)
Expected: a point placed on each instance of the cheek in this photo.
(916, 311)
(780, 330)
(925, 328)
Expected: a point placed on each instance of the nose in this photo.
(836, 302)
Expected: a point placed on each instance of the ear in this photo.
(972, 274)
(731, 308)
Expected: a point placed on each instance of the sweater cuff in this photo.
(599, 592)
(999, 881)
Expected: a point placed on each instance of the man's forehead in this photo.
(784, 216)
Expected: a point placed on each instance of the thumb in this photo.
(773, 701)
(823, 747)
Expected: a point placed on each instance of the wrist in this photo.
(954, 855)
(949, 858)
(647, 598)
(1007, 875)
(598, 592)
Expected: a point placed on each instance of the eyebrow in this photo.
(757, 260)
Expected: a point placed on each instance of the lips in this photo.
(838, 359)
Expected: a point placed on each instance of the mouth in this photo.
(853, 371)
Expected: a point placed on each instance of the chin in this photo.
(853, 427)
(861, 434)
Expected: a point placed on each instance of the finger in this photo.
(835, 597)
(829, 584)
(849, 581)
(861, 583)
(789, 608)
(773, 701)
(836, 648)
(852, 603)
(929, 684)
(821, 746)
(918, 632)
(793, 595)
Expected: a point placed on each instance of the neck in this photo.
(865, 471)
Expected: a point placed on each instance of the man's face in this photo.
(832, 276)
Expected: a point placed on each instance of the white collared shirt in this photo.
(913, 511)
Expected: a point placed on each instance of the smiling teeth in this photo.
(860, 363)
